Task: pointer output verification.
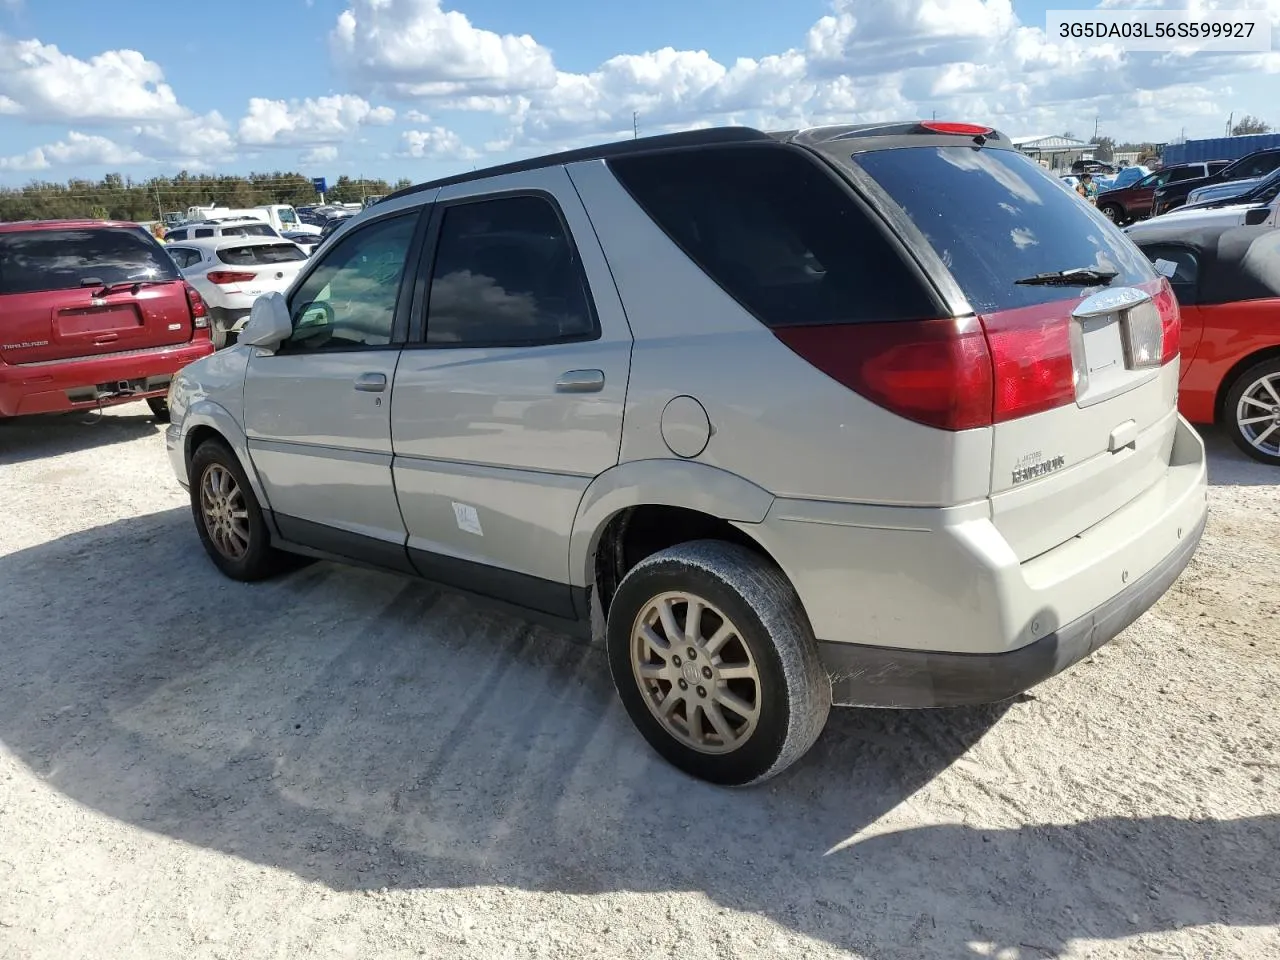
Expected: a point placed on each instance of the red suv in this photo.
(92, 313)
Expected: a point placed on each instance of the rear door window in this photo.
(204, 232)
(260, 254)
(994, 217)
(777, 233)
(38, 260)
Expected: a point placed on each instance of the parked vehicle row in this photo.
(490, 381)
(1243, 173)
(1136, 201)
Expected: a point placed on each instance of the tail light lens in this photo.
(1031, 356)
(1170, 321)
(936, 372)
(224, 277)
(199, 312)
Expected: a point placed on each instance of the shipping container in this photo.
(1218, 148)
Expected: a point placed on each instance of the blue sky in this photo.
(423, 88)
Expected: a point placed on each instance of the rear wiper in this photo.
(1078, 276)
(134, 285)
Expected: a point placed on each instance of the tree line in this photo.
(116, 197)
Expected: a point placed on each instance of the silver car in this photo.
(873, 416)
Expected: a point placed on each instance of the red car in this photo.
(92, 313)
(1227, 280)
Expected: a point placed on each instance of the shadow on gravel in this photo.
(363, 731)
(33, 438)
(1228, 467)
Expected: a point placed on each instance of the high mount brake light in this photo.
(957, 129)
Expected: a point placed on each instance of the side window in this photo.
(506, 274)
(349, 300)
(184, 257)
(204, 232)
(1186, 173)
(178, 235)
(1162, 178)
(773, 229)
(1187, 274)
(1151, 180)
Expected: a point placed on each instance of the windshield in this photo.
(287, 215)
(995, 217)
(261, 254)
(37, 260)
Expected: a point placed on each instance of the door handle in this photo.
(580, 381)
(371, 382)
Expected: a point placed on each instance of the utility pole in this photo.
(1096, 118)
(1230, 117)
(635, 125)
(159, 208)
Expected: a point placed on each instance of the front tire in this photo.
(1251, 412)
(1113, 213)
(714, 659)
(228, 517)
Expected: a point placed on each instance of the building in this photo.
(1056, 153)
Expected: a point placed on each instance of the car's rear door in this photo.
(86, 291)
(511, 401)
(317, 412)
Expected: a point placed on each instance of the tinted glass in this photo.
(37, 260)
(350, 299)
(204, 232)
(994, 218)
(176, 235)
(1185, 173)
(777, 233)
(250, 230)
(506, 275)
(265, 253)
(184, 258)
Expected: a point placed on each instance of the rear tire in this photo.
(752, 697)
(1255, 395)
(159, 408)
(228, 518)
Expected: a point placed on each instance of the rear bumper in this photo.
(78, 384)
(924, 606)
(905, 679)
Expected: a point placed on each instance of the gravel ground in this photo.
(345, 764)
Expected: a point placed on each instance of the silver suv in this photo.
(874, 416)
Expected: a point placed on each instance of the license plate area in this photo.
(1114, 342)
(88, 321)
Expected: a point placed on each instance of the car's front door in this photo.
(511, 400)
(318, 410)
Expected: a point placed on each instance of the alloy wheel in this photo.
(1258, 414)
(697, 673)
(225, 514)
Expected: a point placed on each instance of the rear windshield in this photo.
(37, 260)
(995, 217)
(258, 254)
(250, 230)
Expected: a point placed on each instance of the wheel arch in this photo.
(705, 499)
(206, 420)
(1237, 370)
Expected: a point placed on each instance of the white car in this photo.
(1264, 211)
(222, 227)
(232, 272)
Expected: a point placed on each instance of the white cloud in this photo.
(77, 149)
(309, 122)
(435, 144)
(414, 48)
(39, 81)
(417, 116)
(193, 143)
(326, 154)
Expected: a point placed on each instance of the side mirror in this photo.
(269, 323)
(1257, 217)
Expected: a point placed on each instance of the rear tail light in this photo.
(936, 372)
(1170, 322)
(199, 312)
(1031, 356)
(222, 278)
